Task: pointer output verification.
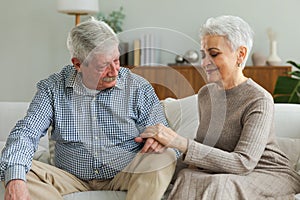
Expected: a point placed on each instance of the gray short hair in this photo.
(235, 29)
(91, 36)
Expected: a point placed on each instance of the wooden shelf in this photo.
(266, 76)
(182, 81)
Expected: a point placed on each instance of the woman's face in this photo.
(218, 59)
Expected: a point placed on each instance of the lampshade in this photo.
(77, 6)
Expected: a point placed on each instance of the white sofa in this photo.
(183, 118)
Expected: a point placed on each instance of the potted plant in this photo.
(113, 19)
(287, 88)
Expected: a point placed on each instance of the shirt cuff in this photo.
(15, 172)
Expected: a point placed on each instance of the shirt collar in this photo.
(81, 89)
(71, 73)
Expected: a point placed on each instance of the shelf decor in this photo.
(273, 58)
(287, 88)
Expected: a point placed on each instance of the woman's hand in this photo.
(150, 145)
(16, 190)
(166, 137)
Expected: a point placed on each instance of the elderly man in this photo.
(96, 109)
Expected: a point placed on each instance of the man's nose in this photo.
(113, 69)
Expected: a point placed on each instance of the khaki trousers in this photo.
(146, 177)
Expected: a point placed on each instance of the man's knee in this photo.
(150, 162)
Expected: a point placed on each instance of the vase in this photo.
(258, 59)
(273, 58)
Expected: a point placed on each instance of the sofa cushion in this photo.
(291, 147)
(287, 117)
(10, 113)
(96, 195)
(42, 154)
(182, 115)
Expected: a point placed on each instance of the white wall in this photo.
(33, 33)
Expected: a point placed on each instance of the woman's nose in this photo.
(205, 61)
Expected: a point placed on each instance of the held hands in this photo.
(164, 136)
(16, 190)
(151, 145)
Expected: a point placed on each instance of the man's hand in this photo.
(150, 145)
(16, 190)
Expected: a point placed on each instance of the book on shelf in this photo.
(136, 52)
(148, 50)
(123, 46)
(143, 50)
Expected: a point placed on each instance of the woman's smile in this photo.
(210, 71)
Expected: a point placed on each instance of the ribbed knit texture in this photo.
(235, 150)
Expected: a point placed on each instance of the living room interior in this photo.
(33, 40)
(33, 34)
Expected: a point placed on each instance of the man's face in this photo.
(102, 70)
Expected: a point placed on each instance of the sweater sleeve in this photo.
(256, 127)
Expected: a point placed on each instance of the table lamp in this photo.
(77, 7)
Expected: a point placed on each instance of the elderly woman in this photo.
(235, 154)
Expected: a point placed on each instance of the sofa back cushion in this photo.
(182, 115)
(287, 130)
(10, 113)
(287, 118)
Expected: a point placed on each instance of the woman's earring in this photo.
(240, 65)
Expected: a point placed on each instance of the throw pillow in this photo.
(182, 115)
(42, 154)
(291, 147)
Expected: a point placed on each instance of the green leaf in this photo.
(294, 64)
(281, 99)
(295, 73)
(286, 90)
(285, 85)
(113, 19)
(295, 95)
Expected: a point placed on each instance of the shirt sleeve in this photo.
(151, 110)
(23, 140)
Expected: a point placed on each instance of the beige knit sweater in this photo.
(235, 150)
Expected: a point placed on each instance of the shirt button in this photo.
(96, 138)
(96, 171)
(94, 118)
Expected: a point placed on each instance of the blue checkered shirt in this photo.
(94, 131)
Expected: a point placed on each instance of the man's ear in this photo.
(76, 63)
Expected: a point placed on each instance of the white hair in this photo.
(233, 28)
(91, 36)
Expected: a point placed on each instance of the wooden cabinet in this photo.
(266, 76)
(182, 81)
